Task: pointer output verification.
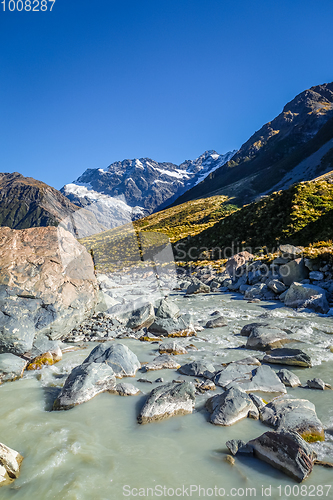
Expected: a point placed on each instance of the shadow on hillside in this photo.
(318, 230)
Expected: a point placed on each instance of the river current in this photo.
(98, 451)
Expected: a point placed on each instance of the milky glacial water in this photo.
(98, 451)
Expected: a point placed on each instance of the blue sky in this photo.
(93, 82)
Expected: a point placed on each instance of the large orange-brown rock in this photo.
(47, 286)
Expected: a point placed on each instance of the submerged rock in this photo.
(230, 407)
(285, 451)
(162, 362)
(286, 356)
(167, 401)
(297, 415)
(11, 367)
(83, 383)
(121, 359)
(288, 378)
(10, 463)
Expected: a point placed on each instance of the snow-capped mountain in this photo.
(131, 189)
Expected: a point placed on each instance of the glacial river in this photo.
(97, 451)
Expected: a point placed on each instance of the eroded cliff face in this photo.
(47, 286)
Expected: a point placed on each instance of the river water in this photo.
(98, 451)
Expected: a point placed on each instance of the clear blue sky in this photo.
(98, 81)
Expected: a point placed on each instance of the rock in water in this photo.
(286, 356)
(263, 379)
(198, 369)
(230, 407)
(263, 338)
(197, 287)
(167, 309)
(297, 415)
(288, 378)
(285, 451)
(167, 401)
(217, 322)
(11, 367)
(307, 296)
(121, 359)
(10, 462)
(162, 362)
(316, 383)
(142, 317)
(124, 389)
(47, 286)
(83, 383)
(172, 347)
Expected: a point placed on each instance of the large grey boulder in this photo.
(297, 415)
(83, 383)
(11, 367)
(263, 338)
(162, 362)
(263, 379)
(10, 463)
(250, 327)
(216, 322)
(235, 263)
(125, 389)
(307, 296)
(257, 291)
(198, 369)
(285, 451)
(230, 407)
(288, 378)
(172, 326)
(277, 286)
(234, 372)
(172, 347)
(142, 317)
(295, 270)
(167, 401)
(47, 286)
(197, 287)
(286, 356)
(121, 359)
(167, 309)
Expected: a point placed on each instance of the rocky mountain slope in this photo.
(296, 146)
(300, 215)
(131, 189)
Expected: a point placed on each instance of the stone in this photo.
(230, 460)
(295, 270)
(263, 338)
(169, 326)
(42, 345)
(172, 347)
(237, 261)
(205, 385)
(198, 369)
(288, 378)
(197, 287)
(234, 372)
(264, 379)
(286, 356)
(285, 451)
(162, 362)
(125, 389)
(216, 322)
(142, 317)
(316, 276)
(277, 286)
(290, 251)
(11, 367)
(38, 362)
(316, 383)
(167, 401)
(47, 286)
(83, 383)
(249, 328)
(167, 309)
(121, 359)
(234, 445)
(230, 407)
(307, 296)
(297, 415)
(10, 463)
(257, 291)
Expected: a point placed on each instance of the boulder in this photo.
(121, 359)
(234, 372)
(162, 362)
(285, 451)
(142, 317)
(167, 401)
(197, 287)
(11, 367)
(288, 378)
(167, 309)
(198, 369)
(277, 286)
(42, 345)
(316, 276)
(307, 296)
(290, 251)
(83, 383)
(237, 261)
(10, 463)
(47, 286)
(286, 356)
(248, 329)
(230, 407)
(257, 291)
(37, 363)
(297, 415)
(173, 327)
(172, 347)
(216, 322)
(295, 270)
(316, 383)
(263, 379)
(235, 445)
(125, 389)
(263, 338)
